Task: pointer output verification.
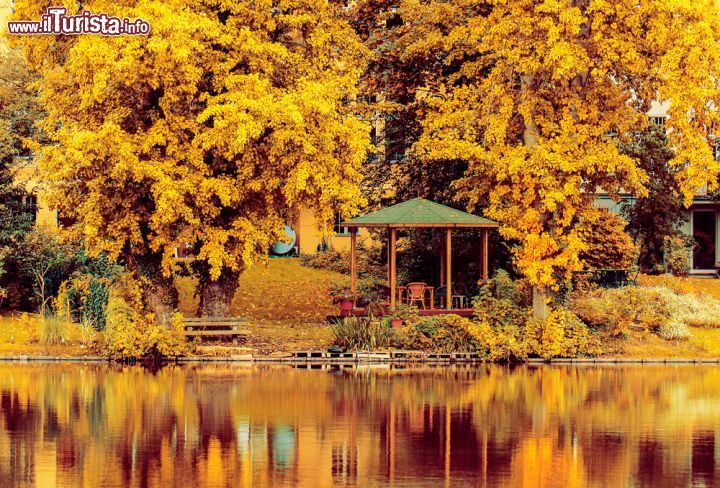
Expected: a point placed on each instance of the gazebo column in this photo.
(442, 262)
(393, 266)
(353, 260)
(388, 256)
(448, 268)
(484, 256)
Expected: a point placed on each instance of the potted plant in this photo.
(341, 294)
(400, 314)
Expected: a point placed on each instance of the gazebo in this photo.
(419, 213)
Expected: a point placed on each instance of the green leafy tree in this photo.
(409, 67)
(45, 260)
(19, 112)
(656, 216)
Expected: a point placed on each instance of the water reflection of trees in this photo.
(94, 425)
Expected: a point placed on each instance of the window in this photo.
(394, 140)
(658, 120)
(704, 232)
(30, 207)
(369, 99)
(186, 251)
(339, 229)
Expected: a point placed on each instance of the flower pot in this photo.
(396, 323)
(346, 305)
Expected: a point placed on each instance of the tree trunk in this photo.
(159, 293)
(217, 295)
(530, 139)
(539, 303)
(161, 298)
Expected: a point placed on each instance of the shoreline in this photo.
(373, 358)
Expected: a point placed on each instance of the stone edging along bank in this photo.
(363, 358)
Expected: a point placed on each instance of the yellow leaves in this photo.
(205, 132)
(533, 127)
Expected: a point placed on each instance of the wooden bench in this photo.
(216, 327)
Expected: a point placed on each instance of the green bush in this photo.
(677, 255)
(362, 333)
(499, 312)
(329, 260)
(441, 333)
(44, 261)
(89, 289)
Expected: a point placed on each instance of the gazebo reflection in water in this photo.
(414, 214)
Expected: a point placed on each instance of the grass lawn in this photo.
(285, 302)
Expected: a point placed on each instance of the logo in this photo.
(56, 21)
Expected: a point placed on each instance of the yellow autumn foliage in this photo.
(210, 130)
(543, 84)
(132, 334)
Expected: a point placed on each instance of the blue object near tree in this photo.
(282, 248)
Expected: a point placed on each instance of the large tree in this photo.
(658, 214)
(553, 80)
(408, 67)
(208, 131)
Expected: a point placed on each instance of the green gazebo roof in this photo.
(419, 212)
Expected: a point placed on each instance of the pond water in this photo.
(95, 425)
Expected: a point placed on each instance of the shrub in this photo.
(608, 245)
(84, 298)
(340, 290)
(674, 329)
(561, 334)
(44, 261)
(619, 309)
(329, 260)
(442, 333)
(693, 310)
(502, 313)
(133, 334)
(405, 312)
(677, 255)
(653, 308)
(371, 267)
(504, 288)
(498, 312)
(362, 333)
(503, 342)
